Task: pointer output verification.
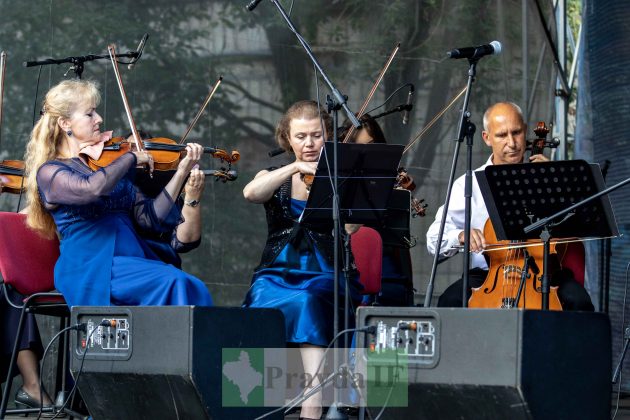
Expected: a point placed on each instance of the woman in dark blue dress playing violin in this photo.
(295, 273)
(103, 260)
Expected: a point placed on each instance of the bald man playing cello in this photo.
(504, 131)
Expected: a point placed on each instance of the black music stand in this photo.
(367, 173)
(366, 177)
(517, 195)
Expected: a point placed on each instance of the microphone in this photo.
(139, 50)
(476, 52)
(252, 5)
(409, 106)
(276, 152)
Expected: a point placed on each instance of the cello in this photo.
(514, 277)
(514, 268)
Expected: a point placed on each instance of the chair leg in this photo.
(12, 365)
(60, 379)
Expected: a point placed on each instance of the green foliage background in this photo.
(193, 42)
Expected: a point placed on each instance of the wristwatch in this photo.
(192, 203)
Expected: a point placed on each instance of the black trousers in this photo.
(572, 295)
(9, 320)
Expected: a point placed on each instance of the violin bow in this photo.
(111, 48)
(434, 120)
(203, 107)
(519, 245)
(373, 90)
(3, 65)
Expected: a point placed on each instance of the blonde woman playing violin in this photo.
(103, 260)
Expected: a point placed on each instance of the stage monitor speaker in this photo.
(165, 362)
(495, 364)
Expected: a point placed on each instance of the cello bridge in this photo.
(508, 303)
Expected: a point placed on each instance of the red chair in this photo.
(367, 248)
(26, 263)
(574, 259)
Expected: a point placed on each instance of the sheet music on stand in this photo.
(367, 173)
(517, 195)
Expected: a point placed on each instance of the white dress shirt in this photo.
(455, 220)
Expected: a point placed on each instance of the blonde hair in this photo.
(302, 109)
(61, 101)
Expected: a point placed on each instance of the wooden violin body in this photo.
(166, 153)
(505, 272)
(405, 181)
(13, 171)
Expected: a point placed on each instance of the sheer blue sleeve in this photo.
(159, 214)
(72, 183)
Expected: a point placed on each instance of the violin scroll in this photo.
(538, 144)
(418, 207)
(224, 175)
(225, 156)
(404, 180)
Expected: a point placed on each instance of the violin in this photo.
(514, 277)
(405, 182)
(537, 145)
(166, 153)
(13, 171)
(307, 179)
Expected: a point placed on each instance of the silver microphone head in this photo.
(497, 47)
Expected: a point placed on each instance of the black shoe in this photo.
(24, 400)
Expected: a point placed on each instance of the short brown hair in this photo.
(302, 109)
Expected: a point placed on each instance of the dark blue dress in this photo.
(103, 260)
(300, 283)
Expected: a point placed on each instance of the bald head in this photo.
(500, 107)
(504, 131)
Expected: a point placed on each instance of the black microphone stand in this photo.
(626, 336)
(399, 108)
(335, 101)
(466, 130)
(604, 261)
(78, 63)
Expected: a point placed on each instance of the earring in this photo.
(69, 133)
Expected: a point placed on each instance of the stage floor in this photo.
(622, 414)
